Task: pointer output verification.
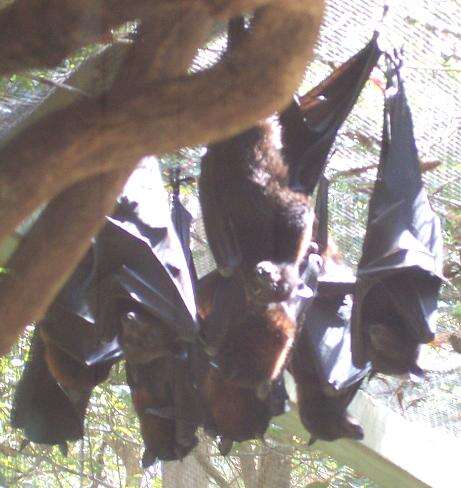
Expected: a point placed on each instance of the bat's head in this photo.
(159, 440)
(237, 414)
(144, 337)
(326, 418)
(392, 350)
(159, 429)
(331, 428)
(270, 282)
(257, 347)
(389, 344)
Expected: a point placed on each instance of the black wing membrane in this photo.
(221, 235)
(131, 267)
(309, 127)
(147, 270)
(322, 364)
(400, 272)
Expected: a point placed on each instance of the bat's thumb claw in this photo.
(312, 440)
(64, 449)
(304, 291)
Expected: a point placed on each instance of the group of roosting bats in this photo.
(211, 352)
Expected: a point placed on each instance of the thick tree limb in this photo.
(41, 33)
(92, 137)
(51, 250)
(168, 57)
(59, 239)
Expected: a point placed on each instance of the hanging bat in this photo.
(166, 403)
(249, 343)
(310, 125)
(322, 367)
(400, 271)
(298, 142)
(232, 411)
(68, 342)
(254, 222)
(237, 414)
(259, 231)
(133, 287)
(293, 130)
(40, 407)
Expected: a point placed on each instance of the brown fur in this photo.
(236, 412)
(244, 180)
(257, 341)
(256, 348)
(151, 387)
(70, 373)
(158, 433)
(40, 406)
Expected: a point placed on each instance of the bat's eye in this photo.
(271, 282)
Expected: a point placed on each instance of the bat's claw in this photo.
(64, 448)
(313, 439)
(416, 374)
(225, 446)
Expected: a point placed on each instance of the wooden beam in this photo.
(395, 453)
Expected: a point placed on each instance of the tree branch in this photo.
(42, 33)
(210, 470)
(95, 136)
(51, 250)
(61, 236)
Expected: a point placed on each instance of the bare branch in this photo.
(210, 470)
(100, 135)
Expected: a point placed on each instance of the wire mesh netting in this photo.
(430, 32)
